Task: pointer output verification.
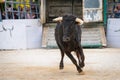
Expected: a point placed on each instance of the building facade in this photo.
(95, 14)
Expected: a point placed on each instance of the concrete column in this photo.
(43, 11)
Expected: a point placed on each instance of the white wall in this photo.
(20, 34)
(113, 33)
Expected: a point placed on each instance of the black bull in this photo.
(68, 38)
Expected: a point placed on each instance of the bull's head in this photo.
(69, 26)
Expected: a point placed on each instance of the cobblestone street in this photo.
(42, 64)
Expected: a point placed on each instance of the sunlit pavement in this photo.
(42, 64)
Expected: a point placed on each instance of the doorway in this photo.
(55, 8)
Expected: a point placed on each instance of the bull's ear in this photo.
(58, 19)
(80, 21)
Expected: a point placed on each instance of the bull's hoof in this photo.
(82, 65)
(82, 73)
(79, 70)
(61, 67)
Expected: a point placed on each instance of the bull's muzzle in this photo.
(66, 39)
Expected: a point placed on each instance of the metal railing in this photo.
(29, 10)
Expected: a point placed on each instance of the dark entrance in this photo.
(57, 8)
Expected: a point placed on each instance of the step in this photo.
(91, 37)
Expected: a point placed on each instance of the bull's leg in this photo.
(82, 64)
(61, 66)
(78, 56)
(74, 61)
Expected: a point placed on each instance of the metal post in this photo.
(0, 15)
(30, 3)
(25, 12)
(105, 11)
(6, 15)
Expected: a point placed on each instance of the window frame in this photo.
(97, 11)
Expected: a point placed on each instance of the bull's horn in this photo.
(79, 21)
(58, 19)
